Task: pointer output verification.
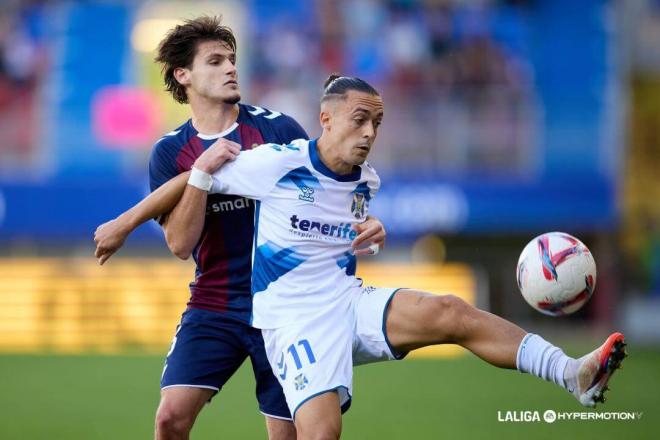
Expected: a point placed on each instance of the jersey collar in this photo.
(223, 133)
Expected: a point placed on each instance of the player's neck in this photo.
(211, 117)
(331, 159)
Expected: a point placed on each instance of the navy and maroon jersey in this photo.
(224, 252)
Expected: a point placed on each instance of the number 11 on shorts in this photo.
(296, 357)
(294, 353)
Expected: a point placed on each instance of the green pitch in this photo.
(113, 397)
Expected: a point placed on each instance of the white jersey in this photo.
(302, 258)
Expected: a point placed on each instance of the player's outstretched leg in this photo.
(417, 319)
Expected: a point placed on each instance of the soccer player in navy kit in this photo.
(214, 336)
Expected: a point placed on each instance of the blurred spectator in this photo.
(454, 72)
(22, 63)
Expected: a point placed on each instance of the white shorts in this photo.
(317, 356)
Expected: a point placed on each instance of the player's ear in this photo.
(182, 76)
(325, 118)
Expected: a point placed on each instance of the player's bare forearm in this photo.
(185, 223)
(110, 236)
(158, 203)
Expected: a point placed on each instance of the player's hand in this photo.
(216, 155)
(371, 232)
(109, 238)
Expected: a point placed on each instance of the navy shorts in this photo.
(207, 350)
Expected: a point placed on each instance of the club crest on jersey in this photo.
(301, 382)
(306, 194)
(359, 205)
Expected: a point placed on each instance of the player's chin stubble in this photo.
(233, 99)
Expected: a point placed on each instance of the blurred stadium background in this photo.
(504, 119)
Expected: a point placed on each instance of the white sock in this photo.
(542, 359)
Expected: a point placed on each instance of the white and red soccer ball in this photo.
(556, 274)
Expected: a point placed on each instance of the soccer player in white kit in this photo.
(317, 318)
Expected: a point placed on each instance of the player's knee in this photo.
(452, 316)
(171, 423)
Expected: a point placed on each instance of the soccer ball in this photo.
(556, 274)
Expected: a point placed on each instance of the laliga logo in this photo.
(551, 416)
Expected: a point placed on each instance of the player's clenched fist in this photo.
(216, 155)
(371, 232)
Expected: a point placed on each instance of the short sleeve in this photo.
(162, 165)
